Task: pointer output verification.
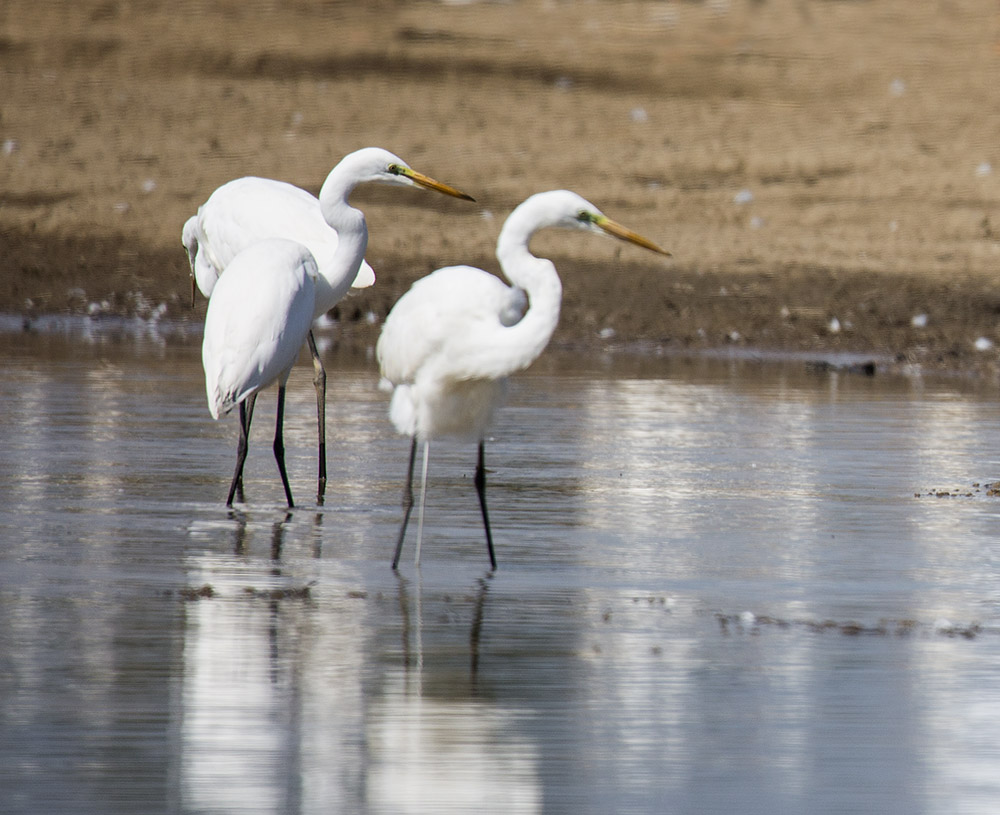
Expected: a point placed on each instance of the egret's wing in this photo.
(442, 316)
(250, 209)
(515, 308)
(257, 320)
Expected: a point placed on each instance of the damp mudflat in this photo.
(723, 586)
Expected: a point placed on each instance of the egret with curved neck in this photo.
(449, 344)
(247, 210)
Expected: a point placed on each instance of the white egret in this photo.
(257, 320)
(246, 210)
(451, 341)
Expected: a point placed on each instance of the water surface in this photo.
(723, 587)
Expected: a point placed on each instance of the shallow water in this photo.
(723, 587)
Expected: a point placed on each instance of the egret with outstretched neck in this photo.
(449, 343)
(247, 210)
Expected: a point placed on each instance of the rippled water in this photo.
(723, 587)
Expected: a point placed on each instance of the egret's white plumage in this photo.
(257, 321)
(247, 209)
(244, 211)
(448, 375)
(449, 344)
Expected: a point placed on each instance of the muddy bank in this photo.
(916, 321)
(826, 173)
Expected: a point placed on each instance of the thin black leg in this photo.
(407, 504)
(246, 416)
(279, 444)
(481, 490)
(319, 382)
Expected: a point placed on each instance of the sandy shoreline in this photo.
(826, 174)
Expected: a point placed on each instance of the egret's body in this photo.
(244, 211)
(257, 320)
(449, 344)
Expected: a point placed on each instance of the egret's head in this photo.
(376, 164)
(189, 237)
(566, 209)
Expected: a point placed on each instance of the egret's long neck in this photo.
(538, 278)
(352, 240)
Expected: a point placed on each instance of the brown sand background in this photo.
(860, 135)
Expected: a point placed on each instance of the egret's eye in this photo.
(395, 169)
(584, 217)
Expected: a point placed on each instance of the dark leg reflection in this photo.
(278, 536)
(317, 551)
(241, 535)
(412, 627)
(239, 531)
(407, 624)
(477, 628)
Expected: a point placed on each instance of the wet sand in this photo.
(825, 172)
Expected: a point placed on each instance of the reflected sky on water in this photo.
(723, 587)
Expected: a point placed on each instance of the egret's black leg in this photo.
(319, 382)
(279, 444)
(246, 416)
(407, 503)
(481, 490)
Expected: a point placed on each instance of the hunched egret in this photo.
(257, 320)
(246, 210)
(451, 341)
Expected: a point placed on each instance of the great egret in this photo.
(451, 341)
(257, 319)
(246, 210)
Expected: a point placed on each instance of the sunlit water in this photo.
(723, 587)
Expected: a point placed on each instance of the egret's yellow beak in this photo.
(429, 183)
(626, 234)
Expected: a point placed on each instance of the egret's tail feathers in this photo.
(219, 406)
(403, 410)
(220, 403)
